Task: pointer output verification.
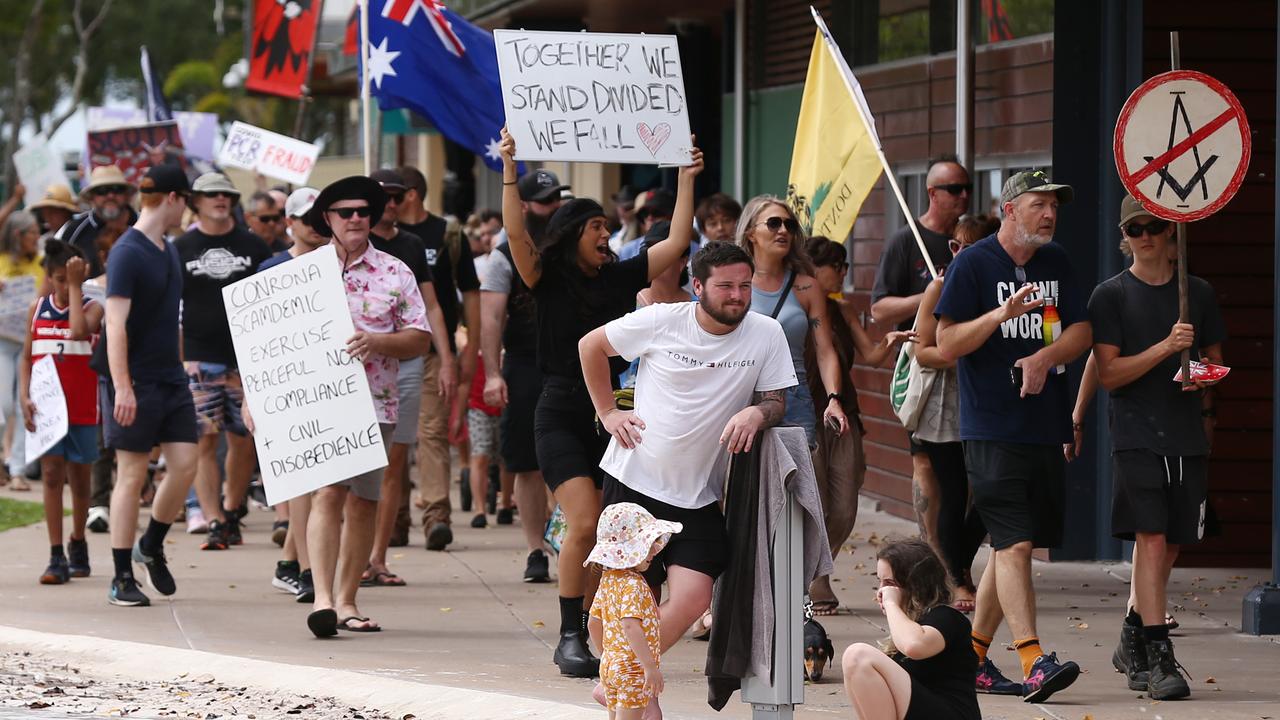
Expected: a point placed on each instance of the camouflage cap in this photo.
(1034, 181)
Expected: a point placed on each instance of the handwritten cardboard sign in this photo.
(15, 302)
(51, 408)
(310, 401)
(199, 130)
(137, 148)
(594, 97)
(271, 154)
(38, 167)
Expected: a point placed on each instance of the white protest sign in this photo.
(38, 167)
(15, 301)
(272, 154)
(310, 401)
(594, 97)
(51, 408)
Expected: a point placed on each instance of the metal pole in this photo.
(305, 96)
(366, 102)
(739, 99)
(964, 83)
(1184, 305)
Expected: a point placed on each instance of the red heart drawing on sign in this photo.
(653, 138)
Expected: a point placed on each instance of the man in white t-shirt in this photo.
(711, 377)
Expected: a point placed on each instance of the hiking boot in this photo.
(217, 538)
(990, 680)
(125, 593)
(1047, 677)
(99, 519)
(574, 658)
(1165, 682)
(537, 567)
(78, 558)
(233, 529)
(57, 572)
(506, 516)
(306, 587)
(279, 531)
(439, 536)
(286, 577)
(1130, 656)
(157, 569)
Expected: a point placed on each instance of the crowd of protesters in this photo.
(565, 353)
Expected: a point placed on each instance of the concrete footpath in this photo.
(468, 623)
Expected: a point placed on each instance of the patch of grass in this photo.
(16, 513)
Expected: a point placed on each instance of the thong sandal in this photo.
(323, 623)
(345, 624)
(383, 579)
(704, 627)
(826, 608)
(19, 484)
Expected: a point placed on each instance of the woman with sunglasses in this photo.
(839, 462)
(924, 670)
(784, 288)
(579, 285)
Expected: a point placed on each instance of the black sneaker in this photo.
(1165, 682)
(537, 567)
(279, 531)
(125, 593)
(1130, 656)
(157, 573)
(233, 530)
(78, 558)
(439, 536)
(306, 588)
(479, 521)
(506, 516)
(57, 572)
(286, 577)
(217, 538)
(1047, 677)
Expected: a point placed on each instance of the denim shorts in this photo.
(79, 446)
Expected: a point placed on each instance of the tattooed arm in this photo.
(740, 433)
(815, 305)
(528, 260)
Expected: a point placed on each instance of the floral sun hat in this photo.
(625, 533)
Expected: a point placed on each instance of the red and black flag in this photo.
(284, 34)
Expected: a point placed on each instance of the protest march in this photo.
(852, 358)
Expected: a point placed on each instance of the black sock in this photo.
(55, 551)
(1133, 618)
(570, 614)
(1152, 633)
(153, 538)
(123, 559)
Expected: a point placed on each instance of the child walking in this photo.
(624, 615)
(63, 324)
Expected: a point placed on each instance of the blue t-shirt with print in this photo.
(979, 280)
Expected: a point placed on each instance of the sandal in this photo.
(826, 608)
(19, 484)
(345, 624)
(383, 578)
(703, 626)
(323, 623)
(1170, 621)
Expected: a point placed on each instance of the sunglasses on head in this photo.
(363, 211)
(110, 190)
(955, 188)
(1155, 227)
(777, 223)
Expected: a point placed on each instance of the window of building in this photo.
(1000, 20)
(879, 31)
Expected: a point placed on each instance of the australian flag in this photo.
(425, 58)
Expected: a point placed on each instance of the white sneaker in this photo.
(99, 519)
(196, 524)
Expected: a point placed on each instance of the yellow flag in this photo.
(835, 162)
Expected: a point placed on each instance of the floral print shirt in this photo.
(625, 594)
(383, 297)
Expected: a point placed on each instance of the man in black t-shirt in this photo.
(454, 271)
(214, 254)
(901, 279)
(1157, 431)
(109, 194)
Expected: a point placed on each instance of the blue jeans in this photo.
(800, 411)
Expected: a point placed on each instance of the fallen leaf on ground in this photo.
(1211, 679)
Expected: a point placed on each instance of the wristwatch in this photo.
(833, 396)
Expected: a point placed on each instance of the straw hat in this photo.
(56, 196)
(104, 175)
(625, 533)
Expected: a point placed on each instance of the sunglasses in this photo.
(1155, 227)
(955, 188)
(363, 211)
(270, 218)
(396, 197)
(776, 223)
(220, 194)
(957, 246)
(110, 190)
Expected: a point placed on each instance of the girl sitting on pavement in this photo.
(925, 670)
(624, 615)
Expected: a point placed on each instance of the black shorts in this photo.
(1157, 494)
(703, 544)
(1019, 490)
(515, 429)
(166, 414)
(565, 434)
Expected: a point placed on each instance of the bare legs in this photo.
(878, 688)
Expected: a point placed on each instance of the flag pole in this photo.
(305, 95)
(846, 74)
(366, 104)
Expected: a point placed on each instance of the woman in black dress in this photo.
(925, 671)
(579, 285)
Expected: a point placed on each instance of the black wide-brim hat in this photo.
(356, 187)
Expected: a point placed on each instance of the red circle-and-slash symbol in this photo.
(1213, 156)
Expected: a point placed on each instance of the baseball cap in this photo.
(626, 195)
(1130, 208)
(389, 179)
(165, 179)
(214, 182)
(1034, 181)
(540, 186)
(300, 202)
(655, 202)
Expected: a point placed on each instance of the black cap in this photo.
(356, 187)
(389, 179)
(165, 179)
(625, 195)
(655, 202)
(540, 186)
(575, 212)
